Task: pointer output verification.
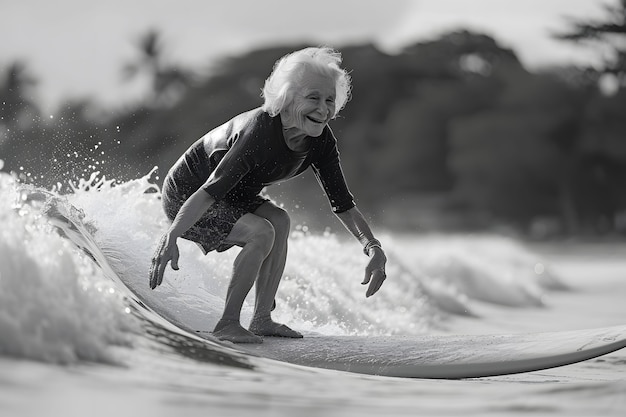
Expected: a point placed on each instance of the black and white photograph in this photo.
(331, 208)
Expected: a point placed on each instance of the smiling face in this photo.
(312, 106)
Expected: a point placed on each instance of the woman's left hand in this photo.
(375, 271)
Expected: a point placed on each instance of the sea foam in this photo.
(429, 277)
(55, 304)
(64, 295)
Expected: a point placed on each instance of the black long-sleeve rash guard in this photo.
(239, 158)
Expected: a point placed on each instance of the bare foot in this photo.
(231, 330)
(268, 327)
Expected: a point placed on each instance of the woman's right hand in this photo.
(166, 251)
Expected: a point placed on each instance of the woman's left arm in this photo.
(356, 224)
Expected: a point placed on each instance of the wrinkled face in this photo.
(312, 106)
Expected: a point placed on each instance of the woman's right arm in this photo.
(190, 213)
(167, 250)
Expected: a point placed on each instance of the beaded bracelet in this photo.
(374, 243)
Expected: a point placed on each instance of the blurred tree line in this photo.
(451, 133)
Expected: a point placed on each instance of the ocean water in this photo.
(82, 334)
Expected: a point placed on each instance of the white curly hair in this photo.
(287, 73)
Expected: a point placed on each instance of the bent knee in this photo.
(277, 217)
(263, 236)
(282, 223)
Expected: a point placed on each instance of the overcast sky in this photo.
(76, 48)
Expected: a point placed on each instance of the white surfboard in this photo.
(434, 356)
(423, 356)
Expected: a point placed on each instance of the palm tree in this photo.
(16, 104)
(168, 81)
(610, 32)
(596, 167)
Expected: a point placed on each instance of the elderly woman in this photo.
(213, 197)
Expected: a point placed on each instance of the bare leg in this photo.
(270, 275)
(256, 236)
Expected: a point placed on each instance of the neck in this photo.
(297, 142)
(293, 134)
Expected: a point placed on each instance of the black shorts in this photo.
(216, 223)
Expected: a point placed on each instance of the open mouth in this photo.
(315, 120)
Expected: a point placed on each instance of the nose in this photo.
(323, 108)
